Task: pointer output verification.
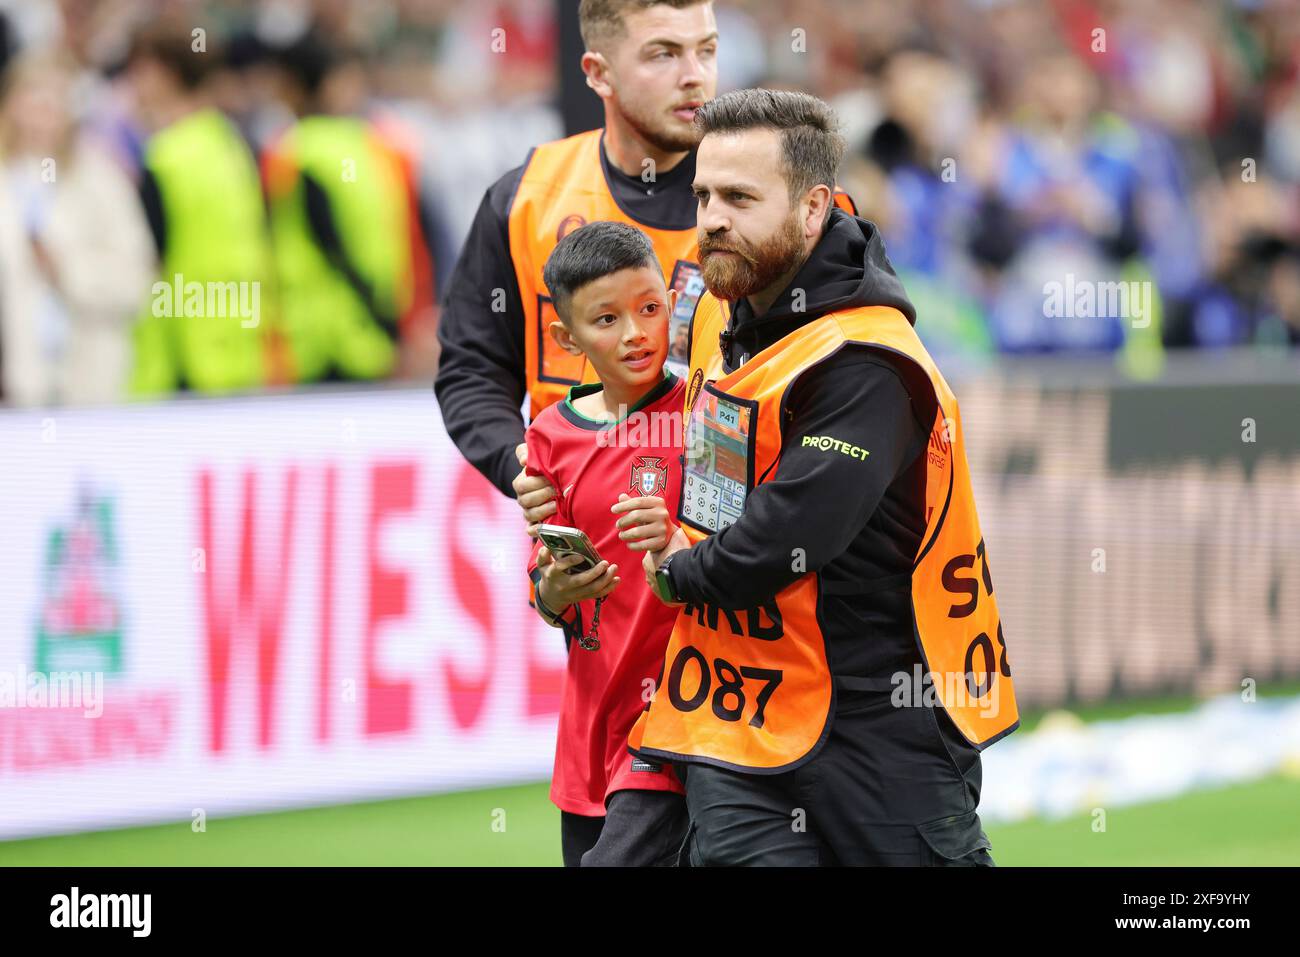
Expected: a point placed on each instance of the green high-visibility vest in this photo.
(328, 325)
(205, 323)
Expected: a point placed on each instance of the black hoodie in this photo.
(857, 520)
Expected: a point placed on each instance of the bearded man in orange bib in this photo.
(838, 662)
(652, 63)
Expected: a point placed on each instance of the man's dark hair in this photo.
(171, 43)
(602, 20)
(8, 43)
(310, 58)
(811, 144)
(590, 252)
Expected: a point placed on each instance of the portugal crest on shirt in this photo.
(649, 476)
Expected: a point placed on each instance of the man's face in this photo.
(662, 69)
(36, 111)
(750, 234)
(150, 83)
(620, 322)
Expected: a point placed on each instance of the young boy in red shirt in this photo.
(611, 449)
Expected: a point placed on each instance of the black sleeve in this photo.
(320, 217)
(481, 382)
(151, 200)
(867, 431)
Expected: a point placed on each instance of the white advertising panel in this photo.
(227, 606)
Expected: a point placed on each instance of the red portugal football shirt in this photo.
(589, 463)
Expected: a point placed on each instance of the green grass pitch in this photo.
(1252, 824)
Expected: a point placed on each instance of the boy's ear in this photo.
(563, 339)
(672, 302)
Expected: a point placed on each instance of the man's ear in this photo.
(560, 333)
(819, 201)
(596, 67)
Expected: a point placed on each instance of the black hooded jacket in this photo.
(858, 520)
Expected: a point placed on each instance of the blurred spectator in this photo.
(497, 51)
(350, 250)
(8, 42)
(204, 328)
(1069, 178)
(244, 88)
(1249, 293)
(1000, 144)
(910, 186)
(74, 248)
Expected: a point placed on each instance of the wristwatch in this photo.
(663, 583)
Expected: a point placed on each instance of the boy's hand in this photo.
(646, 525)
(535, 495)
(559, 589)
(651, 561)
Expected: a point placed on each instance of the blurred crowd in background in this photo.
(333, 152)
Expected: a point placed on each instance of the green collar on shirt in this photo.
(571, 413)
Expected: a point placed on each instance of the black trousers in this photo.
(890, 786)
(639, 829)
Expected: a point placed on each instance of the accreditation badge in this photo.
(689, 283)
(718, 464)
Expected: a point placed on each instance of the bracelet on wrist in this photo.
(554, 618)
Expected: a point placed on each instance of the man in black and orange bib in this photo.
(838, 662)
(653, 63)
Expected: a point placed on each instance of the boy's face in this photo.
(620, 322)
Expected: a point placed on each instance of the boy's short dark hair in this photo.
(811, 144)
(590, 252)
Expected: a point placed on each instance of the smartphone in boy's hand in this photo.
(564, 541)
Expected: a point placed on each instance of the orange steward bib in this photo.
(563, 187)
(751, 689)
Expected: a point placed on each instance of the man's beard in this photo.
(754, 268)
(659, 135)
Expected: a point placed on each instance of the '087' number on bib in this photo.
(728, 698)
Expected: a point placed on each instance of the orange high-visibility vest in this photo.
(563, 187)
(751, 689)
